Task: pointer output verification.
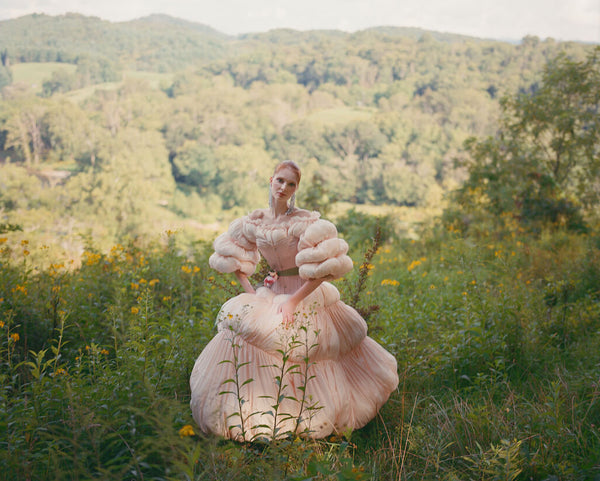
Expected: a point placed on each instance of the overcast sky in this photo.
(499, 19)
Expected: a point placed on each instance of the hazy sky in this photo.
(501, 19)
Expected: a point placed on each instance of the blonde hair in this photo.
(291, 165)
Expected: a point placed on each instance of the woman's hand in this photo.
(244, 282)
(286, 310)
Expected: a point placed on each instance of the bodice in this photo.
(279, 247)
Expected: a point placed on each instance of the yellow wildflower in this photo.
(25, 252)
(153, 282)
(186, 269)
(233, 283)
(3, 240)
(104, 351)
(15, 336)
(135, 310)
(196, 269)
(60, 372)
(166, 298)
(142, 281)
(1, 324)
(24, 242)
(432, 286)
(413, 264)
(20, 288)
(135, 286)
(390, 282)
(186, 430)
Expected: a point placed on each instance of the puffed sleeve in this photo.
(236, 249)
(321, 253)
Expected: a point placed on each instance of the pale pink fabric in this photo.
(335, 378)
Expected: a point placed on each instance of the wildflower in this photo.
(15, 336)
(143, 281)
(446, 279)
(60, 372)
(233, 283)
(390, 282)
(196, 269)
(135, 286)
(464, 293)
(367, 266)
(424, 274)
(91, 258)
(20, 288)
(25, 252)
(104, 352)
(413, 264)
(186, 269)
(87, 348)
(166, 298)
(1, 324)
(186, 430)
(135, 310)
(153, 282)
(55, 289)
(24, 242)
(473, 282)
(3, 240)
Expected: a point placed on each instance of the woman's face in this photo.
(283, 184)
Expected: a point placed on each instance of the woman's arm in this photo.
(244, 282)
(288, 307)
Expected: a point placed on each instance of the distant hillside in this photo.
(150, 43)
(162, 43)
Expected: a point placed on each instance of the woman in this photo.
(290, 358)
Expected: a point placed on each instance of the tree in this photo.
(544, 163)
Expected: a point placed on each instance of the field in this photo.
(495, 334)
(34, 74)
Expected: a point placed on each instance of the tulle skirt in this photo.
(257, 379)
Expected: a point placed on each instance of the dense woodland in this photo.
(464, 174)
(378, 117)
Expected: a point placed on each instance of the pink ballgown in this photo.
(257, 379)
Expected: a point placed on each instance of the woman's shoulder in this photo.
(303, 214)
(299, 215)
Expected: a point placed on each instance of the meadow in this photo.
(495, 333)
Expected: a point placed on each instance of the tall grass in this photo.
(496, 337)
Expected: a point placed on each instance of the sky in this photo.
(498, 19)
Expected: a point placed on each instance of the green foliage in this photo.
(543, 165)
(496, 340)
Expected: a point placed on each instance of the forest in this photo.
(464, 173)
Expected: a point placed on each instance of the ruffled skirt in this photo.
(259, 380)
